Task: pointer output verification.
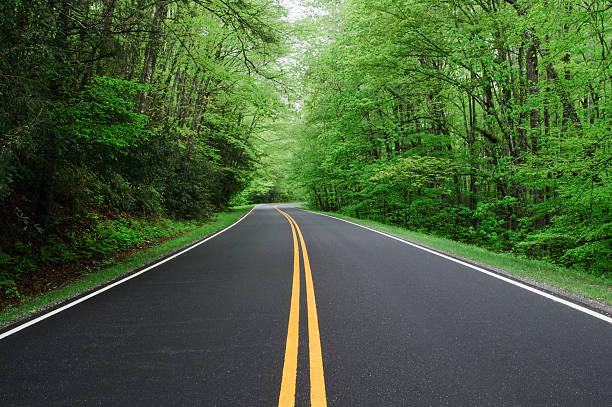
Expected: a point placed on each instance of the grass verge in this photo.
(29, 306)
(578, 282)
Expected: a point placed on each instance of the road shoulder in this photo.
(550, 279)
(138, 262)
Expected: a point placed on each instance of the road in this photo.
(290, 306)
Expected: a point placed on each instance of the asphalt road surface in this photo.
(352, 318)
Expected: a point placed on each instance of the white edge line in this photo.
(116, 283)
(490, 273)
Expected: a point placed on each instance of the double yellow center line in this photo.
(317, 381)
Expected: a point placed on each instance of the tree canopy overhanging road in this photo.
(123, 122)
(334, 313)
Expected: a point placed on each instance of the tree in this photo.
(481, 121)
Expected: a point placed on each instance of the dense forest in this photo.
(117, 114)
(484, 121)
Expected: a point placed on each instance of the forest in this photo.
(484, 121)
(117, 116)
(126, 121)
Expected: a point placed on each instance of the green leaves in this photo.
(417, 172)
(106, 114)
(487, 122)
(128, 110)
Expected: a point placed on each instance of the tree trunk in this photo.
(151, 51)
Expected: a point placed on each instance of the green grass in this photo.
(31, 305)
(574, 281)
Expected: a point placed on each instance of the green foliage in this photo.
(486, 122)
(126, 111)
(106, 115)
(110, 237)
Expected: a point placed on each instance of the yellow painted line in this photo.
(287, 392)
(318, 396)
